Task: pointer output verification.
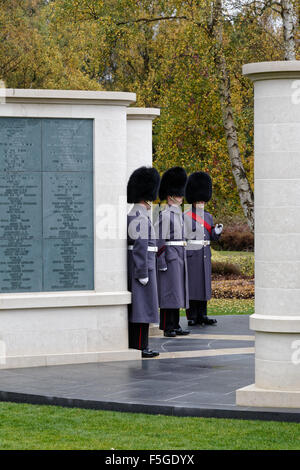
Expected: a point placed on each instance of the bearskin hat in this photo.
(173, 183)
(143, 185)
(199, 187)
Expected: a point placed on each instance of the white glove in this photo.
(144, 280)
(218, 229)
(163, 269)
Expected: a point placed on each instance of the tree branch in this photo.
(151, 20)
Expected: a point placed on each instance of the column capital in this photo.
(272, 70)
(142, 113)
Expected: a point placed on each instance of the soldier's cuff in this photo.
(162, 267)
(141, 273)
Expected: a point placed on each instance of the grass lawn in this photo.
(228, 307)
(51, 427)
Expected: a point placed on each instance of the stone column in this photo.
(139, 137)
(139, 150)
(277, 236)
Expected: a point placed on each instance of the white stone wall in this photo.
(67, 327)
(139, 144)
(139, 137)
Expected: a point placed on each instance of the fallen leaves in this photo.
(233, 289)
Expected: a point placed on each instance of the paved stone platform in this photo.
(196, 375)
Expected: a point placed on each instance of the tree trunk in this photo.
(243, 185)
(288, 18)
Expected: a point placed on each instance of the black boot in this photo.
(207, 321)
(170, 333)
(146, 353)
(202, 314)
(181, 332)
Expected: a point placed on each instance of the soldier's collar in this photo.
(198, 210)
(138, 209)
(141, 207)
(175, 208)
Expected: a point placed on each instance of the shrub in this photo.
(224, 267)
(236, 236)
(244, 261)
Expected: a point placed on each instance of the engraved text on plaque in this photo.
(46, 204)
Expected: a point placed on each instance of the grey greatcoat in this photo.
(199, 256)
(142, 264)
(173, 282)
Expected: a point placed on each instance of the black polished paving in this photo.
(197, 386)
(226, 325)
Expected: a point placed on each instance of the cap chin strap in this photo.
(174, 200)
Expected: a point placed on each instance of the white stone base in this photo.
(259, 397)
(15, 362)
(41, 336)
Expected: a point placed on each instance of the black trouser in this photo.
(138, 335)
(197, 310)
(169, 319)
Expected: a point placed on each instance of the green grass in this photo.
(51, 427)
(228, 307)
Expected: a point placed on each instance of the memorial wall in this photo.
(64, 161)
(46, 204)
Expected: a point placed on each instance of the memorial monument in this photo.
(63, 176)
(277, 236)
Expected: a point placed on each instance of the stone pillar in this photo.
(139, 137)
(277, 236)
(139, 151)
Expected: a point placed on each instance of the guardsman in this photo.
(199, 231)
(171, 256)
(142, 189)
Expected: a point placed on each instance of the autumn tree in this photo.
(182, 56)
(286, 10)
(35, 54)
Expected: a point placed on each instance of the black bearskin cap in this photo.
(173, 183)
(199, 187)
(143, 185)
